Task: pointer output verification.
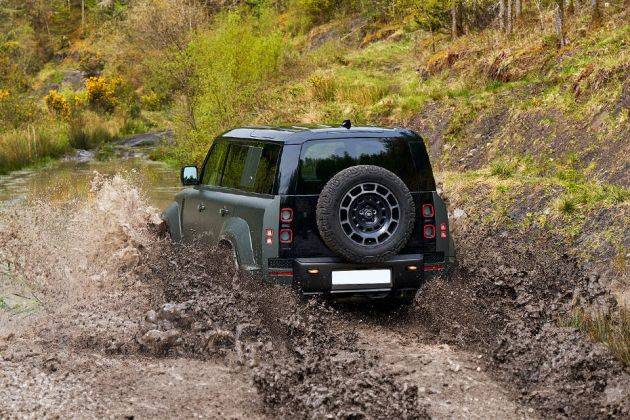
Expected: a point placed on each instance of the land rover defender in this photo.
(330, 210)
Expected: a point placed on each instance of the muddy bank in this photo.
(508, 299)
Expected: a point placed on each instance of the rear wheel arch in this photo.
(235, 232)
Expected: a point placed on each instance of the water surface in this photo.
(68, 179)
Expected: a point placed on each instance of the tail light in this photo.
(443, 230)
(286, 215)
(428, 231)
(286, 232)
(286, 236)
(268, 236)
(428, 210)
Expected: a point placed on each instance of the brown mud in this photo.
(122, 323)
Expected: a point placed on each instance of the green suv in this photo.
(331, 210)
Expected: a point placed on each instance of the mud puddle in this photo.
(120, 322)
(127, 324)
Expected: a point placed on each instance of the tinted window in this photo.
(251, 167)
(320, 160)
(421, 161)
(214, 164)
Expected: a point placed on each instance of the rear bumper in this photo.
(315, 275)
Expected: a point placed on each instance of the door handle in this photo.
(201, 207)
(223, 211)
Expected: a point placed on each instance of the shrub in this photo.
(104, 94)
(58, 105)
(153, 101)
(91, 63)
(16, 110)
(322, 87)
(231, 66)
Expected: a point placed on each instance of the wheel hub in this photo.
(369, 213)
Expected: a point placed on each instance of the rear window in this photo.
(320, 160)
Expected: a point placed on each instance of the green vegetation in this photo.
(614, 331)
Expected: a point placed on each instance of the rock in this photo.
(160, 341)
(82, 156)
(73, 79)
(219, 339)
(174, 313)
(151, 317)
(459, 214)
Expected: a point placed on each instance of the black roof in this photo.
(299, 134)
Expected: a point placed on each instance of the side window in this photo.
(233, 171)
(251, 167)
(214, 164)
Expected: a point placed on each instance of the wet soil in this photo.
(123, 323)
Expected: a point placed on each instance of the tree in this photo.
(457, 27)
(508, 14)
(502, 14)
(432, 15)
(518, 8)
(560, 32)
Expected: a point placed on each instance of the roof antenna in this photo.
(346, 124)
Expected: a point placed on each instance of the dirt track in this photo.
(126, 325)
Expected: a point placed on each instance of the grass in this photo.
(32, 144)
(613, 331)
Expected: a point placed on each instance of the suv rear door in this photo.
(237, 184)
(251, 172)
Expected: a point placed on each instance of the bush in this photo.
(153, 101)
(58, 105)
(231, 66)
(16, 110)
(104, 94)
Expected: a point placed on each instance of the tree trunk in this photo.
(596, 13)
(560, 22)
(457, 29)
(502, 20)
(508, 15)
(82, 15)
(518, 8)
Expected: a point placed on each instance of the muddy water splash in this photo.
(107, 283)
(68, 251)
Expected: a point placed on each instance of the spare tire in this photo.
(365, 214)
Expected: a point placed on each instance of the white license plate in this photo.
(368, 278)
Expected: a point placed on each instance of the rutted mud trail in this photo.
(118, 322)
